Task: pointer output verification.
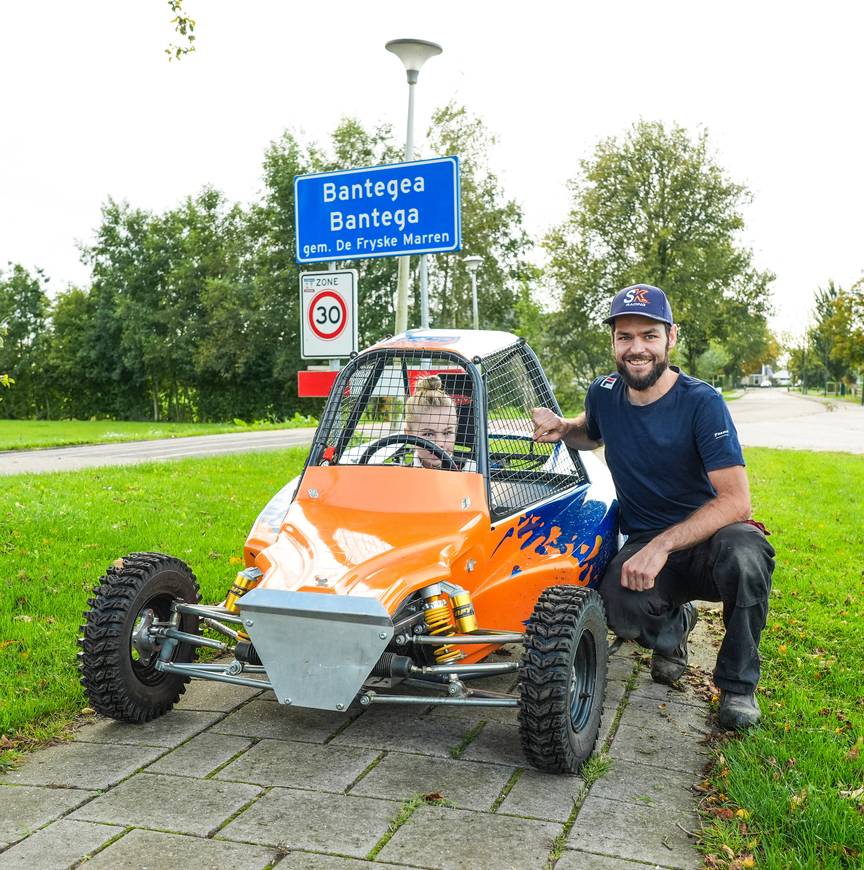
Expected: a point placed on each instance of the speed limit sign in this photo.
(328, 314)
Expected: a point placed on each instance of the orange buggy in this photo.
(410, 548)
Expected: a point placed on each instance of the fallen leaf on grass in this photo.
(119, 564)
(856, 794)
(854, 753)
(742, 813)
(88, 711)
(798, 800)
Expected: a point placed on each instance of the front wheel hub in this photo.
(143, 646)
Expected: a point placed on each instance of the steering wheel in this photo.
(447, 461)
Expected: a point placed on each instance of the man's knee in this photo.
(743, 563)
(625, 609)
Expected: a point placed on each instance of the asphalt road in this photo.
(764, 418)
(134, 452)
(775, 418)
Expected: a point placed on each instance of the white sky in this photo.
(91, 106)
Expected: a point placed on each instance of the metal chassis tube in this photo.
(480, 667)
(478, 637)
(196, 671)
(185, 637)
(208, 612)
(372, 697)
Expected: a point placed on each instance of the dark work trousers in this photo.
(734, 566)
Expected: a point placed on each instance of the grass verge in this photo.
(789, 793)
(31, 434)
(59, 532)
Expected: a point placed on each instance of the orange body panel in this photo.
(386, 532)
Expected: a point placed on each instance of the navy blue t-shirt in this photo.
(660, 454)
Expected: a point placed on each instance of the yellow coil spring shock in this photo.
(245, 580)
(440, 621)
(463, 611)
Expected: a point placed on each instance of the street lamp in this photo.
(413, 53)
(472, 264)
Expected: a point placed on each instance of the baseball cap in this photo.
(641, 299)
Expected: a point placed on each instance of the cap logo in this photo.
(636, 296)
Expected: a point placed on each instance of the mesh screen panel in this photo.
(521, 472)
(410, 408)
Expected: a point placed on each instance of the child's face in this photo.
(437, 425)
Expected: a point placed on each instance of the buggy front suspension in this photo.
(440, 677)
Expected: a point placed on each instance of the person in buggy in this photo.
(431, 414)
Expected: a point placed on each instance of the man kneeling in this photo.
(684, 504)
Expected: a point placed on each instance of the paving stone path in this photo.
(232, 779)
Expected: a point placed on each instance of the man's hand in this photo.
(548, 426)
(640, 570)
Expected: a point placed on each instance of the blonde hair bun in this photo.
(427, 388)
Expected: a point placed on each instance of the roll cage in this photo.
(493, 397)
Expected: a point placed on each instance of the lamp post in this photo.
(413, 53)
(472, 264)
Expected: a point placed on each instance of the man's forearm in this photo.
(723, 510)
(576, 434)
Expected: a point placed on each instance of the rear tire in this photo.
(563, 678)
(117, 669)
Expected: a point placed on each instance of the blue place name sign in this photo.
(379, 211)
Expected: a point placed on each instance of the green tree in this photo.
(155, 278)
(128, 266)
(655, 207)
(24, 309)
(713, 361)
(844, 328)
(804, 365)
(828, 329)
(5, 380)
(491, 228)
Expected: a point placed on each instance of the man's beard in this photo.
(647, 380)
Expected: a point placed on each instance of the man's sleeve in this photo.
(591, 428)
(716, 437)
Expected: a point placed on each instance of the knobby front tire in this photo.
(118, 667)
(563, 679)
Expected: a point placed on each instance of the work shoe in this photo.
(668, 669)
(738, 710)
